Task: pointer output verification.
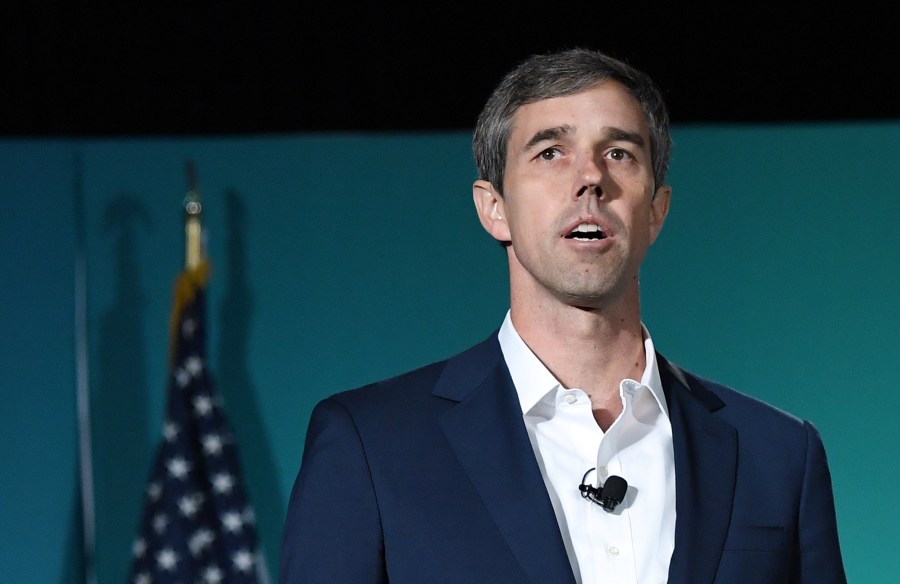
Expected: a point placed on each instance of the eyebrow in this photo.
(547, 134)
(620, 135)
(557, 132)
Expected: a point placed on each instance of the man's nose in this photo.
(590, 176)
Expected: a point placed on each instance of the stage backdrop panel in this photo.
(341, 259)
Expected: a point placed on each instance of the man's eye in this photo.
(619, 154)
(549, 153)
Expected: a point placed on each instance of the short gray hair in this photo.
(555, 75)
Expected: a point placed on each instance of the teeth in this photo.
(587, 232)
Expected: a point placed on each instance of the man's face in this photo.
(578, 205)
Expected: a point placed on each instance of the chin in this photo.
(596, 294)
(587, 301)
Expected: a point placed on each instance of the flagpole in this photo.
(82, 386)
(193, 229)
(193, 255)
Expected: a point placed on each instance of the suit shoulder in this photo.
(387, 392)
(738, 406)
(418, 384)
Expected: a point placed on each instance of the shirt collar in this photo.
(533, 380)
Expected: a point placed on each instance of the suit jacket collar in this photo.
(487, 433)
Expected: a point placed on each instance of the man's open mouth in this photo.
(586, 232)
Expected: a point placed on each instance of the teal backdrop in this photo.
(341, 259)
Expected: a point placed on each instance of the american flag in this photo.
(197, 524)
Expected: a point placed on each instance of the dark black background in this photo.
(166, 68)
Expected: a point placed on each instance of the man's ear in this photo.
(659, 209)
(491, 209)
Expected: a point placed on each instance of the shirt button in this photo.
(613, 550)
(602, 470)
(571, 399)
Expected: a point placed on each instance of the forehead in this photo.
(607, 104)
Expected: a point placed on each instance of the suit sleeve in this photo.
(819, 559)
(332, 532)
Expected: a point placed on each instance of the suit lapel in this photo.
(705, 468)
(487, 434)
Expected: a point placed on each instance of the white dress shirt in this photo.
(634, 543)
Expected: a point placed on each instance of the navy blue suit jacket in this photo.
(430, 477)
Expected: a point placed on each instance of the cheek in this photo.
(638, 223)
(529, 228)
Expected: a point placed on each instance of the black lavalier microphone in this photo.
(609, 495)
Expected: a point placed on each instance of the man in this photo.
(492, 466)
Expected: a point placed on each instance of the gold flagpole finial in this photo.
(193, 229)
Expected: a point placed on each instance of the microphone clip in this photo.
(608, 495)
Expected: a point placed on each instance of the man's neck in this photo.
(589, 349)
